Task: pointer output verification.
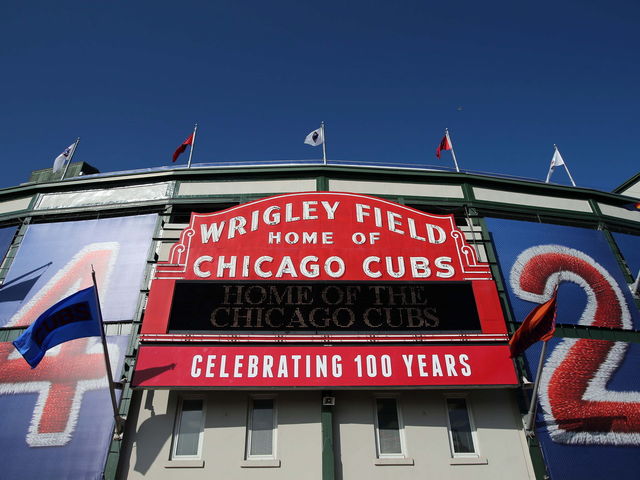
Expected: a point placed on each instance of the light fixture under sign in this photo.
(328, 401)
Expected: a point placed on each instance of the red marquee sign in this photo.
(286, 366)
(348, 270)
(322, 237)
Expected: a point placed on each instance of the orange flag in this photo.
(539, 325)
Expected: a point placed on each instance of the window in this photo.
(462, 435)
(389, 440)
(261, 429)
(187, 434)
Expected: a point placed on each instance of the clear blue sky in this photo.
(508, 78)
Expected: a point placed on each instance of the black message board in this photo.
(234, 307)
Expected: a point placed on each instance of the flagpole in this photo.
(116, 414)
(529, 419)
(75, 145)
(570, 177)
(453, 154)
(568, 172)
(193, 144)
(324, 143)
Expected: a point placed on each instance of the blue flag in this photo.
(76, 316)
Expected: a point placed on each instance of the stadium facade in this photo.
(321, 322)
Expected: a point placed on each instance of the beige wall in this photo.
(529, 200)
(633, 190)
(397, 188)
(619, 212)
(15, 205)
(235, 188)
(148, 444)
(502, 447)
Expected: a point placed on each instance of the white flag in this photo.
(315, 138)
(557, 160)
(58, 163)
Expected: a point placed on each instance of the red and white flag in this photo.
(445, 144)
(183, 147)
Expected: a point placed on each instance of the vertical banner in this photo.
(588, 419)
(55, 260)
(58, 419)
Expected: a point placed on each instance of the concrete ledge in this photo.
(469, 461)
(393, 461)
(184, 464)
(260, 464)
